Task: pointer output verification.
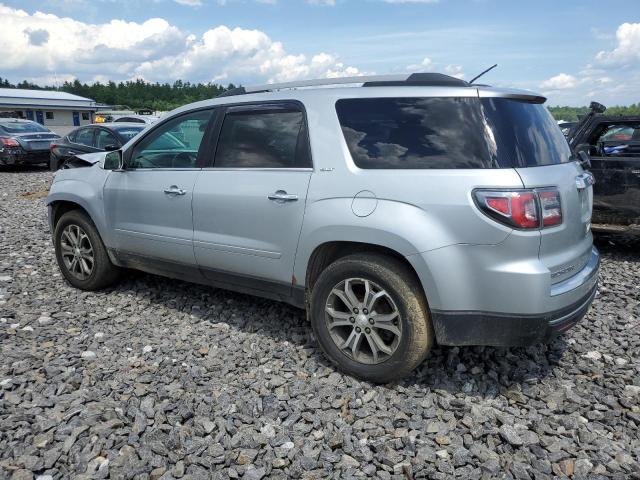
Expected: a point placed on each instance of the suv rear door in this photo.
(249, 204)
(527, 134)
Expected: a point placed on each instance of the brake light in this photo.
(53, 146)
(550, 206)
(523, 209)
(9, 142)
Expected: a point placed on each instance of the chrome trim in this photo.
(328, 81)
(270, 169)
(585, 275)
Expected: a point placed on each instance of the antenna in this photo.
(482, 73)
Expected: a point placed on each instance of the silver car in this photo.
(398, 211)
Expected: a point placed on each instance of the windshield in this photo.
(128, 133)
(452, 133)
(23, 127)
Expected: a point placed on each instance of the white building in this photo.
(59, 111)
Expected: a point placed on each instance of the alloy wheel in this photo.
(77, 252)
(363, 320)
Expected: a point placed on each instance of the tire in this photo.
(404, 295)
(102, 272)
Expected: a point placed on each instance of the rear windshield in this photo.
(423, 133)
(127, 133)
(20, 127)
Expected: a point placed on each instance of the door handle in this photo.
(585, 180)
(174, 190)
(281, 196)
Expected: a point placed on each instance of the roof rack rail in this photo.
(405, 79)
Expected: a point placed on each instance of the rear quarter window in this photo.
(449, 133)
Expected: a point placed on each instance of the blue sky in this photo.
(573, 51)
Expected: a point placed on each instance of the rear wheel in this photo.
(370, 316)
(80, 253)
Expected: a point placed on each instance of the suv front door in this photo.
(248, 206)
(148, 203)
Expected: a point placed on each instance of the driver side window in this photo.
(174, 144)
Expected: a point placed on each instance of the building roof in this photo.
(41, 95)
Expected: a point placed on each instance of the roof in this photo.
(41, 95)
(432, 84)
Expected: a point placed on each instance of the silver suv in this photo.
(399, 211)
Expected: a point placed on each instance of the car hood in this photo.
(92, 158)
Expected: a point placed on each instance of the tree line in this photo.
(136, 94)
(140, 94)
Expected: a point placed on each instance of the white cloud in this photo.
(627, 50)
(324, 3)
(426, 65)
(561, 81)
(41, 45)
(454, 71)
(411, 1)
(190, 3)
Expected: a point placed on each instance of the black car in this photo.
(90, 139)
(24, 142)
(613, 145)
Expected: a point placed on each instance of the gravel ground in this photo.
(162, 379)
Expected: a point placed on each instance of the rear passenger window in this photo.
(84, 136)
(269, 138)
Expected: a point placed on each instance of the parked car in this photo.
(613, 145)
(90, 139)
(146, 119)
(566, 127)
(24, 142)
(414, 209)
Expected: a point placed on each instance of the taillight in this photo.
(52, 146)
(550, 206)
(9, 142)
(524, 209)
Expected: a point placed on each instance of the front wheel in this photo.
(370, 316)
(80, 253)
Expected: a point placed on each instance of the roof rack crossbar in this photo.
(408, 79)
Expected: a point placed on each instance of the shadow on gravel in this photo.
(23, 168)
(478, 371)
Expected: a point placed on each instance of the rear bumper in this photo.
(22, 158)
(519, 329)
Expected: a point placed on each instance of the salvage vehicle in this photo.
(399, 211)
(613, 145)
(98, 137)
(23, 142)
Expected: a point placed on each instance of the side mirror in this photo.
(111, 148)
(585, 161)
(113, 160)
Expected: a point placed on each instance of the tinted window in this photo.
(127, 133)
(23, 127)
(263, 139)
(174, 144)
(129, 120)
(104, 139)
(424, 133)
(522, 134)
(84, 136)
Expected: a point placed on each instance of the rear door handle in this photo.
(281, 196)
(174, 190)
(585, 180)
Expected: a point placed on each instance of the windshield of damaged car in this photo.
(20, 127)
